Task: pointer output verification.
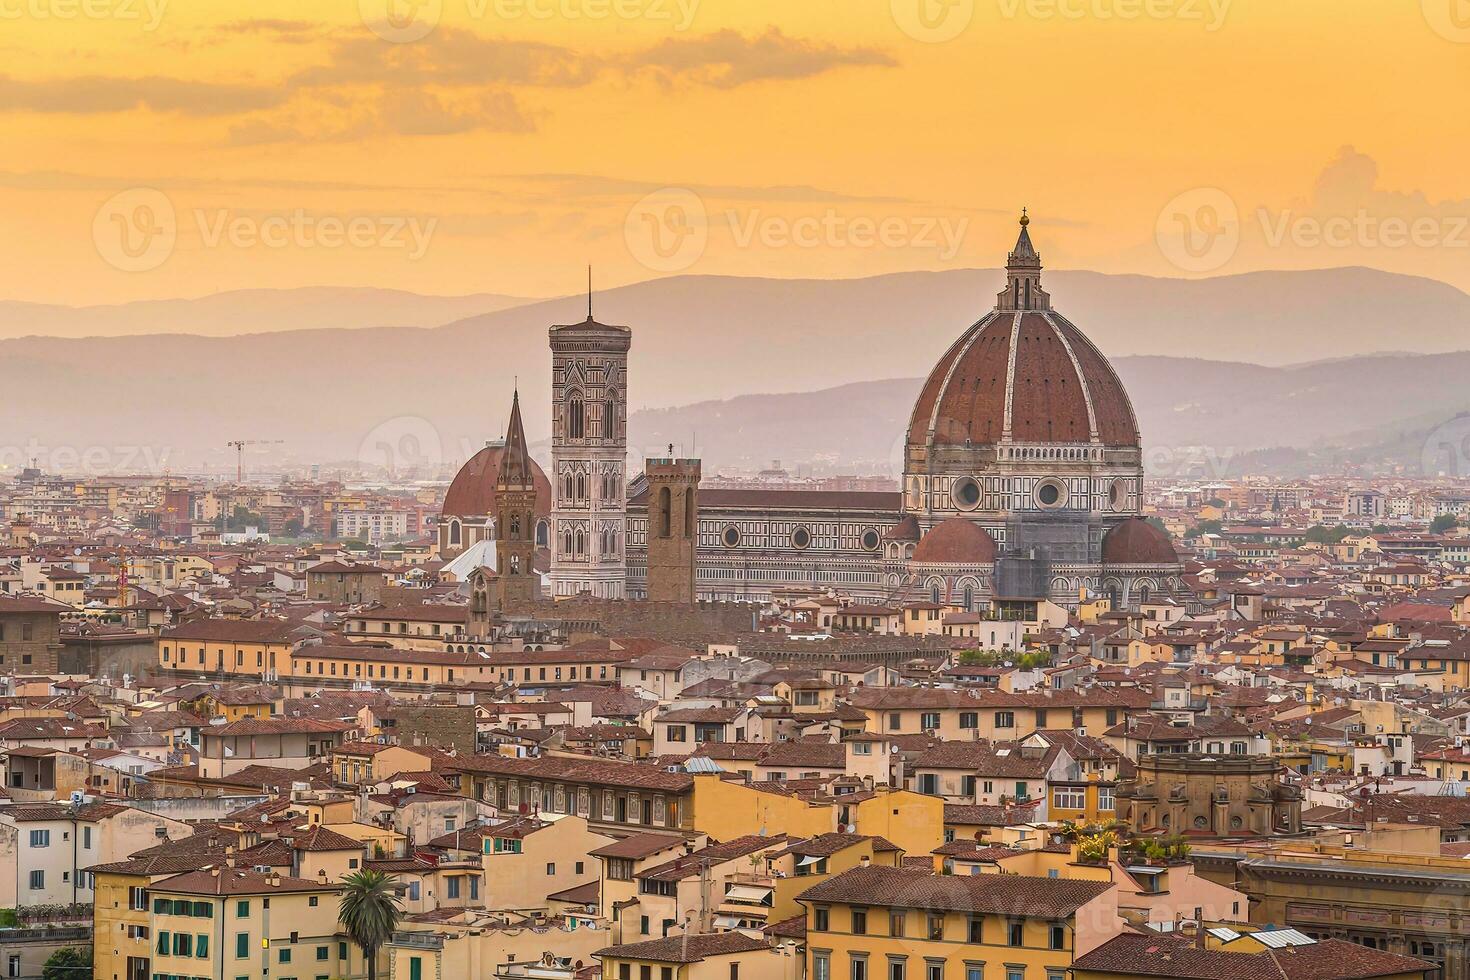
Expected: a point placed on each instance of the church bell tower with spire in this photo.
(589, 450)
(515, 516)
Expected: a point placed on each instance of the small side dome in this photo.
(958, 541)
(1137, 542)
(905, 530)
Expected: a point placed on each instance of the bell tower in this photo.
(673, 528)
(515, 517)
(589, 449)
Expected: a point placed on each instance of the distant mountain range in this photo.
(244, 311)
(741, 370)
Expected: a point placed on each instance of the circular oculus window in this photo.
(731, 536)
(966, 493)
(1051, 493)
(871, 540)
(801, 537)
(1118, 494)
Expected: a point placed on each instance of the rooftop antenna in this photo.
(589, 292)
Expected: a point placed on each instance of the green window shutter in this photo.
(204, 910)
(163, 946)
(161, 906)
(242, 908)
(242, 945)
(201, 946)
(415, 969)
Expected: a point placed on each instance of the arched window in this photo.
(689, 514)
(665, 513)
(567, 488)
(454, 532)
(515, 527)
(1143, 593)
(579, 543)
(515, 564)
(581, 487)
(934, 593)
(610, 416)
(542, 534)
(969, 598)
(576, 415)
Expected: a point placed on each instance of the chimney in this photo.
(866, 861)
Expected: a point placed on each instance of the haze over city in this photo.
(713, 490)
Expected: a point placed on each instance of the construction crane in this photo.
(239, 446)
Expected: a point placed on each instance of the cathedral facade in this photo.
(1022, 481)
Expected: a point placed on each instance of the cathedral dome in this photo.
(1023, 374)
(1137, 542)
(957, 541)
(472, 492)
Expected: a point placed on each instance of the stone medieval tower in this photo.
(673, 528)
(589, 448)
(515, 516)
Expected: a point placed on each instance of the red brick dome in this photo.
(1137, 542)
(472, 492)
(1024, 374)
(957, 541)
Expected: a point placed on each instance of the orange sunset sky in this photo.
(162, 148)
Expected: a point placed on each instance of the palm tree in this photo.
(369, 912)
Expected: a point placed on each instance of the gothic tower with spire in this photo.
(515, 517)
(589, 449)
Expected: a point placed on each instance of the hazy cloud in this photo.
(449, 57)
(96, 94)
(453, 81)
(1351, 181)
(726, 59)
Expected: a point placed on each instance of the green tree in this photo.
(1321, 534)
(293, 528)
(1442, 523)
(242, 518)
(68, 963)
(369, 912)
(1203, 527)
